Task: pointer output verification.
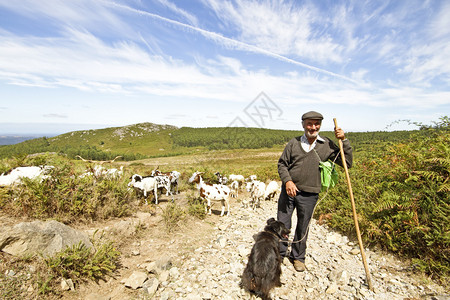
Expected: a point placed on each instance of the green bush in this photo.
(81, 263)
(196, 207)
(172, 215)
(402, 198)
(67, 197)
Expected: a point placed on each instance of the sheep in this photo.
(212, 192)
(144, 185)
(15, 176)
(271, 190)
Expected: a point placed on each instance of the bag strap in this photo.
(320, 160)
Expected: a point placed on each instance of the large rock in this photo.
(136, 280)
(46, 238)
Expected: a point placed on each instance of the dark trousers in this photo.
(304, 203)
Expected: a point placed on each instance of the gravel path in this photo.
(334, 267)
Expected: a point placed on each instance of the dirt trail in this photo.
(210, 255)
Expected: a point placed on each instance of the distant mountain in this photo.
(11, 139)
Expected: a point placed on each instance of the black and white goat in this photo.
(221, 179)
(174, 178)
(144, 185)
(163, 182)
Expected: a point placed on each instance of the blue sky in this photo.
(87, 64)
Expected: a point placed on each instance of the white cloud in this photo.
(428, 62)
(82, 61)
(440, 26)
(81, 58)
(191, 18)
(53, 116)
(280, 27)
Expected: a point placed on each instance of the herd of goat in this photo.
(226, 188)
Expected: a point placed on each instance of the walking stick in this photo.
(355, 217)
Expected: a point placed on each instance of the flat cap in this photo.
(314, 115)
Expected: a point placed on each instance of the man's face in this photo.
(311, 127)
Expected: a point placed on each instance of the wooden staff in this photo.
(355, 217)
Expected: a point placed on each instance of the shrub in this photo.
(402, 198)
(196, 207)
(68, 198)
(80, 263)
(172, 215)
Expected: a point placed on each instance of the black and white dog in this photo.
(263, 269)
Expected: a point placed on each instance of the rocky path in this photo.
(334, 268)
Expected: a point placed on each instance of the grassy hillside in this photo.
(132, 142)
(146, 140)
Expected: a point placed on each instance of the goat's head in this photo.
(136, 177)
(196, 177)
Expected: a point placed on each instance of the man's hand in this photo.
(339, 133)
(291, 189)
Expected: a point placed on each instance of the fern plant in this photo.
(401, 193)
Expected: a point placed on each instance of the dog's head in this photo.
(278, 228)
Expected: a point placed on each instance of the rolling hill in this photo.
(145, 140)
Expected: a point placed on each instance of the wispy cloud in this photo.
(191, 18)
(229, 42)
(281, 27)
(55, 116)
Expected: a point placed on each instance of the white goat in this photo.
(174, 179)
(252, 177)
(271, 190)
(239, 178)
(145, 185)
(212, 192)
(256, 189)
(15, 175)
(234, 189)
(113, 173)
(100, 171)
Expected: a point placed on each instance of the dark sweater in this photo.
(303, 167)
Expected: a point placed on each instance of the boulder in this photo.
(46, 238)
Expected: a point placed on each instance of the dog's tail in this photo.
(248, 281)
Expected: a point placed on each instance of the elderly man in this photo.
(299, 171)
